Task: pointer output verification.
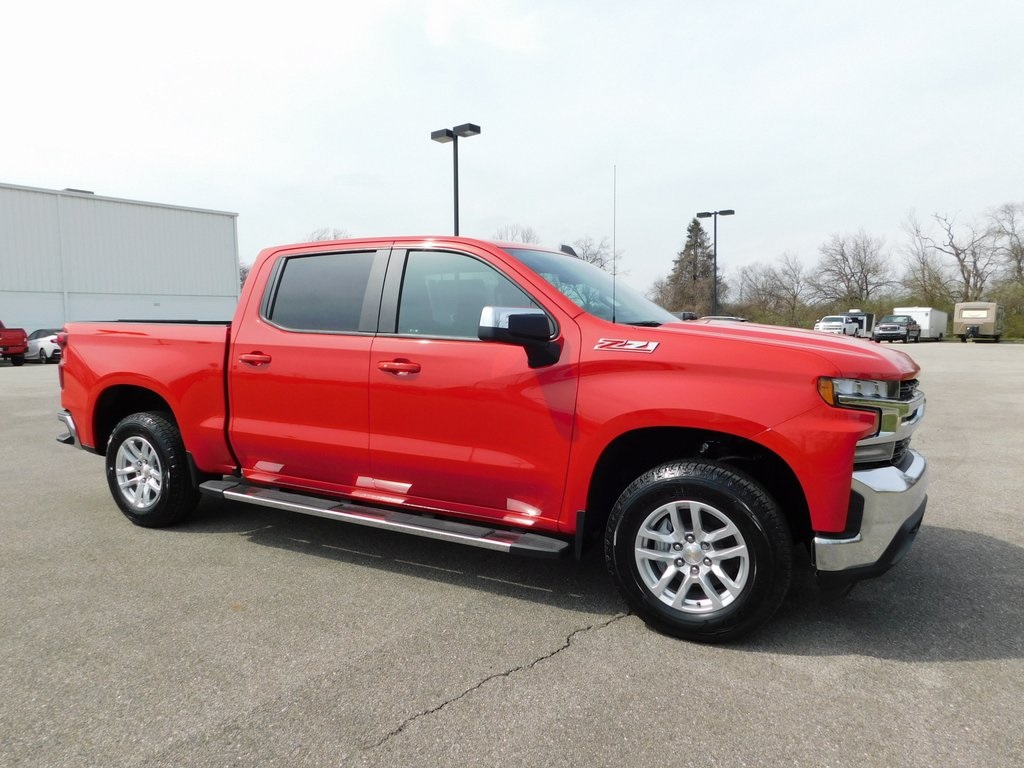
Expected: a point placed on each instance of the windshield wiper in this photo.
(643, 323)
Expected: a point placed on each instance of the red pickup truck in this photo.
(517, 399)
(13, 344)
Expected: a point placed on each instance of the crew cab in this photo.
(13, 343)
(897, 328)
(517, 399)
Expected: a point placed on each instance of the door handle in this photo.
(399, 367)
(254, 358)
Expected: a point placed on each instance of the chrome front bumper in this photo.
(893, 502)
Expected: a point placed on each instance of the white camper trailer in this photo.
(932, 321)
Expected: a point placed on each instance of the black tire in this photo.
(42, 357)
(699, 551)
(18, 360)
(147, 471)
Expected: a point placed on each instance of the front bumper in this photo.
(892, 502)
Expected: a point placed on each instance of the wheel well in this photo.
(116, 403)
(632, 454)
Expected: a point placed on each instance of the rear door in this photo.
(298, 371)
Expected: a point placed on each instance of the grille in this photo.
(907, 389)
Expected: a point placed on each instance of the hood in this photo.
(836, 355)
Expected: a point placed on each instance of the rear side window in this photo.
(321, 292)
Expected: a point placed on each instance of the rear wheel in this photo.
(699, 551)
(42, 356)
(17, 360)
(147, 470)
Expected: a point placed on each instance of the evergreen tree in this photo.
(689, 285)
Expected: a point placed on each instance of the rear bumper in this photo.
(71, 436)
(894, 502)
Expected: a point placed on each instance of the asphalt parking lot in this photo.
(252, 637)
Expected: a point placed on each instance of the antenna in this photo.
(615, 177)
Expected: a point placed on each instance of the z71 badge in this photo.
(623, 345)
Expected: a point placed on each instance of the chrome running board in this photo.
(474, 535)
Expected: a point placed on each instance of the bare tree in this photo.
(1006, 229)
(793, 288)
(517, 233)
(852, 269)
(326, 233)
(597, 253)
(774, 294)
(971, 252)
(1008, 233)
(758, 288)
(925, 277)
(243, 273)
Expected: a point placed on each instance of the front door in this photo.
(461, 424)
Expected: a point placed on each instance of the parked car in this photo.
(13, 343)
(42, 346)
(897, 328)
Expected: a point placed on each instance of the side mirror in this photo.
(523, 327)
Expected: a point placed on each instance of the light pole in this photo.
(713, 215)
(443, 136)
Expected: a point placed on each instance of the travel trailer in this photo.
(979, 320)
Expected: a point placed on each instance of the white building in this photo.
(73, 255)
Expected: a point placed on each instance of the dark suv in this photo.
(897, 327)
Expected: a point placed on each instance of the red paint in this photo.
(466, 426)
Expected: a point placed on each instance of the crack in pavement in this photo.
(507, 673)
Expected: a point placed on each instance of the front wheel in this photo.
(699, 551)
(147, 471)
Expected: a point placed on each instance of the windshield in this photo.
(895, 319)
(833, 319)
(592, 289)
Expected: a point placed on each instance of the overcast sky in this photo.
(807, 118)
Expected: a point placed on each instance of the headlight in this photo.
(856, 393)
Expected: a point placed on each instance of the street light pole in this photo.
(445, 135)
(713, 215)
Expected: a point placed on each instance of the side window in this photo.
(321, 292)
(443, 293)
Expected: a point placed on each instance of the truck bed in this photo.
(183, 363)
